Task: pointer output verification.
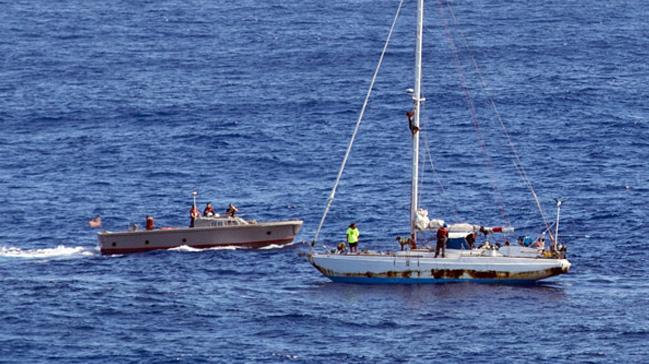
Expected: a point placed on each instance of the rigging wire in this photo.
(332, 194)
(456, 212)
(474, 116)
(518, 164)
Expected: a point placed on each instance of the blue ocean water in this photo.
(123, 108)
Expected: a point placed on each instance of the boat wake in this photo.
(60, 252)
(189, 249)
(272, 246)
(283, 246)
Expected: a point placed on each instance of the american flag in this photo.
(95, 222)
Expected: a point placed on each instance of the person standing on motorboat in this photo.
(442, 238)
(193, 215)
(209, 210)
(352, 237)
(150, 224)
(231, 210)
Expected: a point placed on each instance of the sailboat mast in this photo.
(417, 100)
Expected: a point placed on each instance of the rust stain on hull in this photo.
(492, 274)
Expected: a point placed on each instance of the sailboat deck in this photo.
(454, 253)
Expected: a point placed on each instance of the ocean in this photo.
(122, 109)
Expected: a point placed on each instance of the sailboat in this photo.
(486, 264)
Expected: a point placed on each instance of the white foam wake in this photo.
(189, 249)
(60, 252)
(226, 247)
(273, 246)
(277, 246)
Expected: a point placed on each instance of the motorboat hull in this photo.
(424, 268)
(257, 235)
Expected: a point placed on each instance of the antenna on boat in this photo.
(194, 193)
(556, 225)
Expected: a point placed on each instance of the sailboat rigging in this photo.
(489, 263)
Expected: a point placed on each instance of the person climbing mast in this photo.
(411, 122)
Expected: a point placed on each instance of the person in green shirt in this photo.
(352, 237)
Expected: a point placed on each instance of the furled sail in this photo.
(424, 223)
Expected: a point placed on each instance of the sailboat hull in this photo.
(425, 269)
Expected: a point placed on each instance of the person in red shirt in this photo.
(150, 224)
(193, 215)
(442, 238)
(209, 210)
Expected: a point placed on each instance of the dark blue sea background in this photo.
(122, 109)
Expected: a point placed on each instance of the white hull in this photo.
(256, 235)
(420, 267)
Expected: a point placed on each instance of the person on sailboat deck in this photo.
(442, 238)
(470, 239)
(231, 210)
(352, 237)
(193, 215)
(209, 210)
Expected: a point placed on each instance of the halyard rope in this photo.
(474, 117)
(516, 161)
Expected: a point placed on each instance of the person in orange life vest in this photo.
(442, 238)
(209, 210)
(193, 215)
(150, 224)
